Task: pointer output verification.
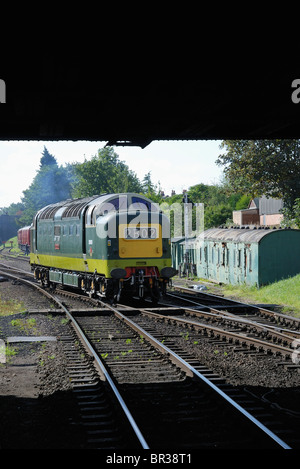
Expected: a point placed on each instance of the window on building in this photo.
(239, 258)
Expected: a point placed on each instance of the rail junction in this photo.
(141, 359)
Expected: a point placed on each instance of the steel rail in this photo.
(265, 311)
(30, 274)
(284, 335)
(29, 283)
(185, 364)
(188, 300)
(234, 335)
(100, 366)
(107, 376)
(279, 331)
(167, 351)
(225, 314)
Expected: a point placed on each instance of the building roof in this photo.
(239, 235)
(253, 204)
(265, 205)
(269, 205)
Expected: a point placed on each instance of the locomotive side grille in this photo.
(73, 210)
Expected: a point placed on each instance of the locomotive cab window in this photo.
(119, 203)
(113, 205)
(141, 204)
(110, 206)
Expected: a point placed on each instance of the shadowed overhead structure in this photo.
(75, 99)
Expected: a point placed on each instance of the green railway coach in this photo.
(243, 255)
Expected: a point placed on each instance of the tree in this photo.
(297, 212)
(104, 173)
(148, 186)
(47, 159)
(217, 215)
(12, 209)
(51, 184)
(263, 167)
(150, 190)
(219, 201)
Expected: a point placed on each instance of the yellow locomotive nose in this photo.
(140, 241)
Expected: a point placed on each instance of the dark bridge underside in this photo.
(72, 99)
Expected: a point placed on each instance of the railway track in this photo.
(166, 398)
(227, 327)
(6, 254)
(216, 304)
(246, 333)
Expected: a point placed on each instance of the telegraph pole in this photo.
(186, 231)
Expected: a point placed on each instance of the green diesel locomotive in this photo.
(104, 245)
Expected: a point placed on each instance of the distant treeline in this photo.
(105, 173)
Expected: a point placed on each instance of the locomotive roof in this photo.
(73, 207)
(67, 205)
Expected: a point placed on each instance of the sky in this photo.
(177, 165)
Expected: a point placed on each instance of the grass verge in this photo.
(285, 293)
(14, 246)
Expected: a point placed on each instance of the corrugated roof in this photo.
(239, 235)
(268, 206)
